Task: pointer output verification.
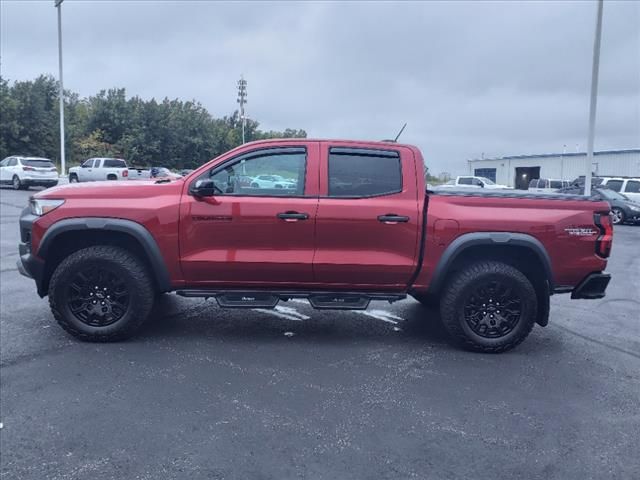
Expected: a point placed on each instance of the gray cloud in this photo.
(469, 77)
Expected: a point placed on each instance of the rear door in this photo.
(632, 189)
(368, 217)
(248, 235)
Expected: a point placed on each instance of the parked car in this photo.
(139, 173)
(490, 269)
(95, 169)
(470, 181)
(186, 171)
(162, 172)
(547, 185)
(25, 172)
(628, 186)
(623, 209)
(271, 181)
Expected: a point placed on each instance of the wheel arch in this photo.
(520, 250)
(66, 236)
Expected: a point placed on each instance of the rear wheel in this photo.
(16, 183)
(617, 215)
(255, 185)
(101, 294)
(112, 177)
(489, 307)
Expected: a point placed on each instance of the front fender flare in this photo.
(136, 230)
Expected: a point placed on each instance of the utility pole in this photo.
(242, 99)
(58, 5)
(594, 99)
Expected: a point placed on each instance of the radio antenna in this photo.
(400, 132)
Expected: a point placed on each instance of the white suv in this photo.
(25, 172)
(630, 187)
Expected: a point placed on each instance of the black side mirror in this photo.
(204, 187)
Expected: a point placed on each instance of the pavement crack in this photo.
(594, 340)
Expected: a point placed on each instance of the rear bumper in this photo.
(40, 182)
(593, 286)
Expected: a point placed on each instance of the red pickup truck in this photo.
(347, 222)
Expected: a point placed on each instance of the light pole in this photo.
(594, 99)
(58, 5)
(242, 99)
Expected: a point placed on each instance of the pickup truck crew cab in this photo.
(358, 226)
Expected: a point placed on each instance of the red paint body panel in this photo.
(237, 241)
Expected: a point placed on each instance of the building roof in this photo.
(567, 154)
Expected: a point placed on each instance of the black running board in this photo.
(266, 299)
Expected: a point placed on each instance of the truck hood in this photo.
(112, 189)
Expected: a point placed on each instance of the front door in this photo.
(250, 234)
(85, 170)
(367, 228)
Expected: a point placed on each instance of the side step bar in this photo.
(318, 300)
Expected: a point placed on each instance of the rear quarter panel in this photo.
(572, 257)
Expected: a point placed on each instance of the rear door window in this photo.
(614, 185)
(359, 173)
(114, 163)
(465, 181)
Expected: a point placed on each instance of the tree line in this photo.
(171, 133)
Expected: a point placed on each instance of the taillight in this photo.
(28, 169)
(605, 239)
(125, 173)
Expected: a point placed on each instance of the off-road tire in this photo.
(121, 262)
(462, 286)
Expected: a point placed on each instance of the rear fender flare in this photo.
(468, 240)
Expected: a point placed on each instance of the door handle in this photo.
(392, 218)
(292, 216)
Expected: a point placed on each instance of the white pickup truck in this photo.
(473, 182)
(95, 169)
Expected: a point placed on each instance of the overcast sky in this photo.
(499, 78)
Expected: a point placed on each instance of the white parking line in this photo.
(287, 313)
(381, 315)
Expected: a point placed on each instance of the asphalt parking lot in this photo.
(298, 393)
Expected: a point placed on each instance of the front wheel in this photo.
(73, 178)
(617, 216)
(489, 307)
(101, 294)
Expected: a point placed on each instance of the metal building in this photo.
(518, 170)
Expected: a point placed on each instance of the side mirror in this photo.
(481, 184)
(203, 187)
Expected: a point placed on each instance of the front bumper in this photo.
(593, 286)
(28, 264)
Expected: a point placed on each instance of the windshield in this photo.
(486, 181)
(611, 195)
(39, 163)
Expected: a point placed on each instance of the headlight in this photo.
(40, 206)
